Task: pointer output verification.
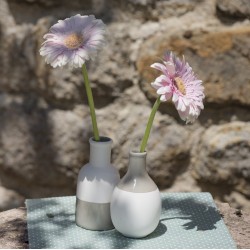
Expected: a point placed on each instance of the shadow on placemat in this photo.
(120, 241)
(61, 219)
(160, 230)
(204, 217)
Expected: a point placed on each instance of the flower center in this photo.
(73, 41)
(180, 85)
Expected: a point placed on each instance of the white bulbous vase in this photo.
(136, 201)
(96, 182)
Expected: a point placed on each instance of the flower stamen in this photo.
(180, 85)
(73, 41)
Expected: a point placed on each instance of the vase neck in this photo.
(136, 179)
(100, 152)
(137, 163)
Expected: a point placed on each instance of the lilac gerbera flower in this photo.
(179, 84)
(72, 41)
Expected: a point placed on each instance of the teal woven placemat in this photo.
(189, 220)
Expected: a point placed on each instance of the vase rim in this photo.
(137, 153)
(103, 140)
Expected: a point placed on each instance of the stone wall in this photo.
(44, 117)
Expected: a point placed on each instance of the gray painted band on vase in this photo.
(93, 216)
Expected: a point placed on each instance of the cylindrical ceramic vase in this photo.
(136, 200)
(96, 182)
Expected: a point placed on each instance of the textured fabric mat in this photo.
(188, 220)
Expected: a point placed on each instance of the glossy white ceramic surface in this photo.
(135, 215)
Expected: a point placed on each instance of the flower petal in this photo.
(159, 66)
(163, 90)
(170, 68)
(163, 98)
(175, 97)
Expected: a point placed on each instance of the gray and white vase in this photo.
(136, 201)
(95, 184)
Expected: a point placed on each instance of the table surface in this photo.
(14, 234)
(189, 220)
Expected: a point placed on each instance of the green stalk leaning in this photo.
(149, 125)
(91, 102)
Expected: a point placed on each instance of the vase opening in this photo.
(138, 153)
(102, 139)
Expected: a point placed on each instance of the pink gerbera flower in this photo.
(179, 84)
(71, 41)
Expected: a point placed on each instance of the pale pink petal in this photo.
(175, 97)
(170, 68)
(163, 80)
(184, 114)
(163, 90)
(163, 98)
(155, 85)
(186, 101)
(159, 66)
(166, 97)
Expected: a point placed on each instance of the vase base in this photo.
(93, 216)
(135, 237)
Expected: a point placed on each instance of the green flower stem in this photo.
(91, 102)
(149, 125)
